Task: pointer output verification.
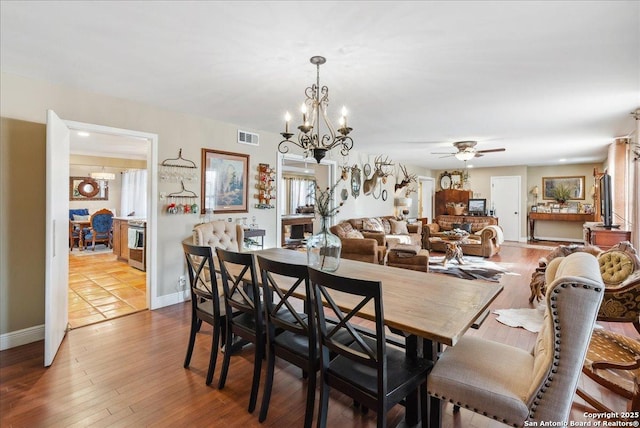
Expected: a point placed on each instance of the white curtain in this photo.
(134, 193)
(298, 191)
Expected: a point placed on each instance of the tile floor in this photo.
(101, 288)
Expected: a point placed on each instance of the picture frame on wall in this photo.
(224, 182)
(574, 185)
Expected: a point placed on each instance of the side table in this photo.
(256, 233)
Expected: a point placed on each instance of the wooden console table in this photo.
(533, 217)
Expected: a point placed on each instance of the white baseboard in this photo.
(21, 337)
(170, 299)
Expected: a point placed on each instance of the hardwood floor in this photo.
(102, 288)
(128, 372)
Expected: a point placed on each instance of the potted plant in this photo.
(561, 193)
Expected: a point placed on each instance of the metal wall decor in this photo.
(356, 180)
(175, 170)
(310, 137)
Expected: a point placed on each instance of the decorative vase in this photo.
(323, 249)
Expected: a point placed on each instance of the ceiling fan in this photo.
(466, 151)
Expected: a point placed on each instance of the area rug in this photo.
(527, 318)
(473, 268)
(100, 249)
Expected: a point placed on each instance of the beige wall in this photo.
(22, 224)
(480, 184)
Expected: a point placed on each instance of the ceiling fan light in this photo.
(465, 156)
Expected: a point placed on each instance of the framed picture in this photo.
(224, 182)
(563, 188)
(87, 189)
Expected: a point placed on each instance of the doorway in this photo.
(427, 192)
(324, 174)
(103, 284)
(505, 203)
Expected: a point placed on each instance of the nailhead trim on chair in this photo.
(552, 371)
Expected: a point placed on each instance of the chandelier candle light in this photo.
(309, 138)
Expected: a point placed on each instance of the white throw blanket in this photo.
(497, 230)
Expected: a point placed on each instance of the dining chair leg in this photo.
(226, 359)
(257, 368)
(268, 384)
(424, 407)
(214, 353)
(192, 341)
(199, 325)
(311, 398)
(323, 406)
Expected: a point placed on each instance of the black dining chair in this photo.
(205, 302)
(291, 334)
(242, 298)
(371, 371)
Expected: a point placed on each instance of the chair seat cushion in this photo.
(467, 372)
(399, 369)
(611, 347)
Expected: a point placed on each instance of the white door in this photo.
(427, 190)
(57, 236)
(506, 201)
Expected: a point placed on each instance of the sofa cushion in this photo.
(372, 225)
(342, 229)
(354, 234)
(386, 225)
(446, 224)
(398, 227)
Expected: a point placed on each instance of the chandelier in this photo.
(309, 138)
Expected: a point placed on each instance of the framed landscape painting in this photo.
(570, 187)
(224, 182)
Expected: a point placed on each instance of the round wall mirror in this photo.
(88, 188)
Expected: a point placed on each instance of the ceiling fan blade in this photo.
(490, 150)
(478, 155)
(443, 153)
(446, 155)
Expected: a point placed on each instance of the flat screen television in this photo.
(477, 207)
(606, 202)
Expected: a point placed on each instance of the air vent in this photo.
(245, 137)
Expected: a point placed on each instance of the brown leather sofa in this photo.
(370, 248)
(485, 239)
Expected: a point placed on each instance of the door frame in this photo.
(518, 196)
(153, 302)
(422, 178)
(332, 168)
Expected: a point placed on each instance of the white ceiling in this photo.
(544, 79)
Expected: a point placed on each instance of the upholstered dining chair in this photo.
(100, 228)
(242, 299)
(370, 370)
(613, 361)
(206, 296)
(512, 385)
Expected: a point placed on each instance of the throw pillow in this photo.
(462, 226)
(372, 225)
(398, 227)
(354, 234)
(77, 217)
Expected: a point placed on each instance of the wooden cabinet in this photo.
(606, 238)
(121, 239)
(443, 197)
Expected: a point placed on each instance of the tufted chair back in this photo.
(620, 270)
(219, 234)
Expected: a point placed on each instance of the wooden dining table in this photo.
(428, 309)
(81, 225)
